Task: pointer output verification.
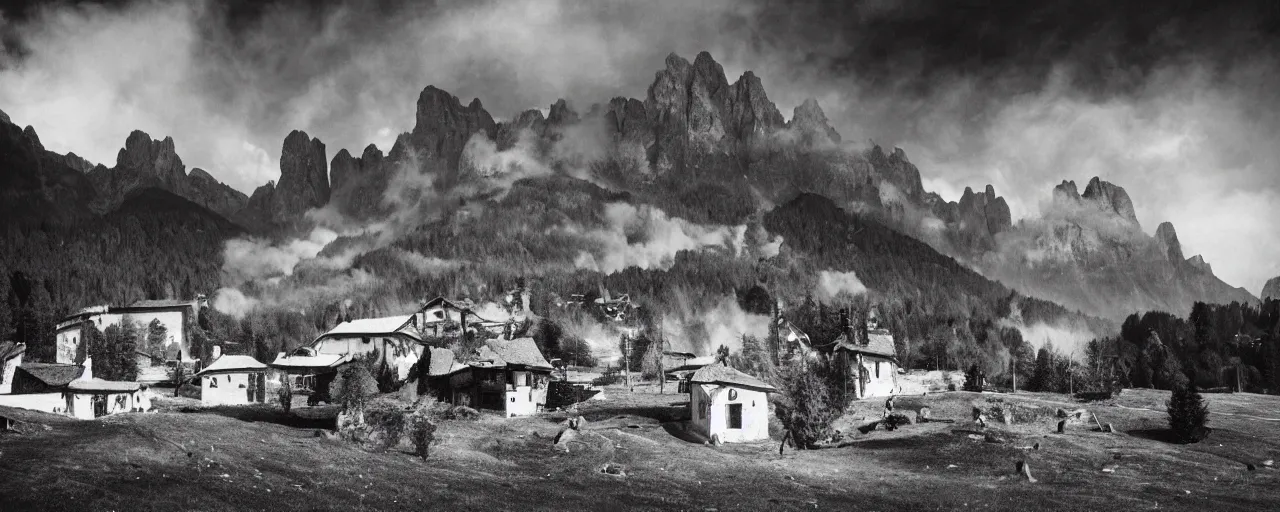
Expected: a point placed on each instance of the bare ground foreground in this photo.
(260, 459)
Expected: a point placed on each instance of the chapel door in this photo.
(735, 416)
(262, 387)
(99, 406)
(252, 388)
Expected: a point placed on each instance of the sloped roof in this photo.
(443, 363)
(53, 374)
(302, 361)
(10, 350)
(102, 385)
(162, 303)
(520, 351)
(721, 374)
(229, 363)
(463, 305)
(384, 325)
(879, 343)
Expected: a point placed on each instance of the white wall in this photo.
(6, 373)
(400, 353)
(231, 389)
(80, 403)
(884, 385)
(43, 402)
(68, 339)
(521, 402)
(710, 408)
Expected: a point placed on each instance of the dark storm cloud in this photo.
(1172, 100)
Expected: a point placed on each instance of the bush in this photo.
(285, 394)
(1188, 414)
(385, 421)
(973, 379)
(421, 426)
(811, 401)
(352, 386)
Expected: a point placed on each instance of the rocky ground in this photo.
(632, 453)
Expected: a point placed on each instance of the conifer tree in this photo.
(1188, 414)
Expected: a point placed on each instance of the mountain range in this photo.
(697, 158)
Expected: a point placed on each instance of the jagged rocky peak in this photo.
(1110, 198)
(629, 120)
(1198, 262)
(698, 100)
(443, 127)
(147, 156)
(30, 133)
(78, 163)
(987, 209)
(811, 124)
(1271, 290)
(1167, 237)
(562, 114)
(1066, 193)
(895, 168)
(344, 168)
(304, 171)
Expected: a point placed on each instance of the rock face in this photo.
(1271, 290)
(37, 184)
(145, 162)
(810, 125)
(1110, 198)
(303, 185)
(358, 183)
(1197, 262)
(443, 127)
(1167, 237)
(975, 220)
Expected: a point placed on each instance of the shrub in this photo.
(421, 426)
(352, 386)
(811, 401)
(285, 394)
(385, 422)
(973, 379)
(1188, 414)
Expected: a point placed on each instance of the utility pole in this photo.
(1015, 374)
(626, 358)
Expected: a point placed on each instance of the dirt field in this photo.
(256, 458)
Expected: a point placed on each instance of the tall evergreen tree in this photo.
(1188, 414)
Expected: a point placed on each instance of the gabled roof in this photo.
(309, 361)
(10, 350)
(879, 343)
(102, 385)
(466, 306)
(163, 304)
(53, 374)
(518, 352)
(374, 326)
(229, 363)
(721, 374)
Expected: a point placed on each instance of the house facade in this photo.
(872, 365)
(173, 314)
(728, 405)
(393, 341)
(444, 317)
(233, 380)
(87, 399)
(510, 376)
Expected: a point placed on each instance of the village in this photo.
(496, 405)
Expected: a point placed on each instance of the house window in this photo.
(213, 382)
(735, 416)
(877, 369)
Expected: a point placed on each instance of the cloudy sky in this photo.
(1175, 101)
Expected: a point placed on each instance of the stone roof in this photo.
(53, 374)
(102, 385)
(721, 374)
(520, 351)
(162, 304)
(229, 363)
(385, 325)
(443, 363)
(879, 343)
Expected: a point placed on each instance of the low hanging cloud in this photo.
(232, 301)
(834, 285)
(701, 327)
(251, 258)
(645, 237)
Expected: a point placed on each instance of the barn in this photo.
(728, 405)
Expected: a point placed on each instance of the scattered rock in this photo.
(613, 469)
(1036, 446)
(1062, 426)
(1025, 469)
(992, 437)
(1108, 469)
(462, 412)
(924, 414)
(1251, 467)
(1268, 463)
